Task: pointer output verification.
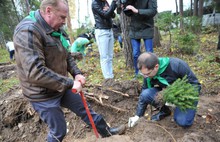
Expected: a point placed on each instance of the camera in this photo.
(125, 3)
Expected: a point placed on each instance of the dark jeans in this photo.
(11, 54)
(136, 43)
(51, 113)
(182, 118)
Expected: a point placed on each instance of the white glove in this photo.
(132, 121)
(169, 104)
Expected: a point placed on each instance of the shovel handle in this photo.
(88, 112)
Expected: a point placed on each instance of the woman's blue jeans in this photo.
(136, 43)
(105, 42)
(182, 118)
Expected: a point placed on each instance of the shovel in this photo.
(88, 112)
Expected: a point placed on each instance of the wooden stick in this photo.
(106, 105)
(98, 96)
(126, 95)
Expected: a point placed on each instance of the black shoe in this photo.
(113, 131)
(165, 111)
(117, 130)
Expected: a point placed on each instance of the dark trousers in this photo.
(11, 54)
(136, 43)
(51, 113)
(182, 118)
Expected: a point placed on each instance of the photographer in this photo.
(142, 13)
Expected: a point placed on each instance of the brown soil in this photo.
(116, 101)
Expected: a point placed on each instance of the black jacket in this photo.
(177, 68)
(142, 23)
(103, 19)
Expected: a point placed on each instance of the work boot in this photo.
(117, 130)
(105, 131)
(164, 111)
(112, 131)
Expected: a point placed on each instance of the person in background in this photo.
(78, 47)
(117, 34)
(158, 74)
(11, 49)
(142, 14)
(103, 14)
(43, 64)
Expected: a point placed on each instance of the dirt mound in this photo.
(116, 101)
(7, 70)
(20, 123)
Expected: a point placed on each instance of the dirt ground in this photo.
(116, 101)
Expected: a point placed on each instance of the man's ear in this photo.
(157, 66)
(48, 10)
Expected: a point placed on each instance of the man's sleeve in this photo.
(151, 11)
(29, 50)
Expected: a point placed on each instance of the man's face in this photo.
(57, 16)
(149, 72)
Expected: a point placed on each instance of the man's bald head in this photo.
(147, 60)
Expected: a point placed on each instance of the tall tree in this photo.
(71, 4)
(176, 7)
(200, 9)
(195, 8)
(181, 14)
(8, 19)
(127, 42)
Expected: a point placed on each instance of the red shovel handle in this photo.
(88, 112)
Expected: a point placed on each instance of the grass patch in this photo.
(92, 69)
(7, 84)
(4, 55)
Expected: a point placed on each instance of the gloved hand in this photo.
(169, 104)
(132, 121)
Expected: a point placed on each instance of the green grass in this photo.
(92, 69)
(4, 54)
(203, 64)
(7, 84)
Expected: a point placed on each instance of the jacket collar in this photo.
(48, 29)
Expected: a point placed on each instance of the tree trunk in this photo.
(218, 46)
(69, 26)
(195, 9)
(176, 7)
(27, 6)
(200, 11)
(181, 14)
(191, 7)
(157, 37)
(16, 12)
(127, 42)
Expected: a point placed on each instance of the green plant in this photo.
(7, 84)
(182, 94)
(186, 42)
(4, 55)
